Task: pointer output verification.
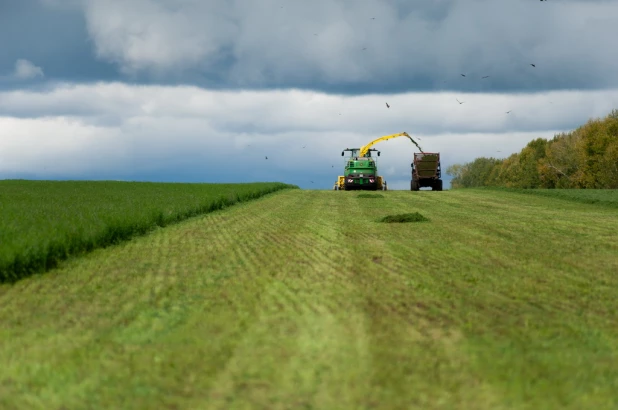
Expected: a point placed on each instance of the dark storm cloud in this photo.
(52, 38)
(410, 46)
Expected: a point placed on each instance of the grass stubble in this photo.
(303, 300)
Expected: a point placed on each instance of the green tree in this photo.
(474, 174)
(560, 163)
(586, 157)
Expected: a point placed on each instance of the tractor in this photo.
(426, 171)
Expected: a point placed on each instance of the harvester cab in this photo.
(356, 153)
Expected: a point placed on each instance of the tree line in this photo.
(584, 158)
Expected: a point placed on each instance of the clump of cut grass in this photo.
(370, 196)
(409, 217)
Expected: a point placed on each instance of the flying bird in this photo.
(509, 111)
(533, 65)
(312, 182)
(388, 106)
(304, 146)
(364, 48)
(460, 102)
(266, 157)
(486, 76)
(373, 18)
(463, 75)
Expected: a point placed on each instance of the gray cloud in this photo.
(282, 111)
(238, 44)
(410, 44)
(55, 38)
(25, 70)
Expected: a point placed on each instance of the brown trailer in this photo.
(426, 171)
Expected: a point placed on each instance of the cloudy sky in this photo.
(204, 90)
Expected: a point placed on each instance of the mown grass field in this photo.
(303, 300)
(43, 222)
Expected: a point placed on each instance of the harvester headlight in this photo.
(371, 180)
(350, 180)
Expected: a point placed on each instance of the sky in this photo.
(205, 90)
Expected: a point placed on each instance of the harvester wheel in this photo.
(437, 185)
(414, 185)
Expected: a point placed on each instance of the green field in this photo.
(43, 222)
(305, 300)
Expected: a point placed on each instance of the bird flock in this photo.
(482, 78)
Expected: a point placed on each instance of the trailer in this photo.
(426, 171)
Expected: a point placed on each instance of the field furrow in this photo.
(303, 299)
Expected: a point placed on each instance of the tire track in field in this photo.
(290, 290)
(298, 272)
(402, 319)
(259, 241)
(310, 249)
(333, 257)
(344, 293)
(392, 278)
